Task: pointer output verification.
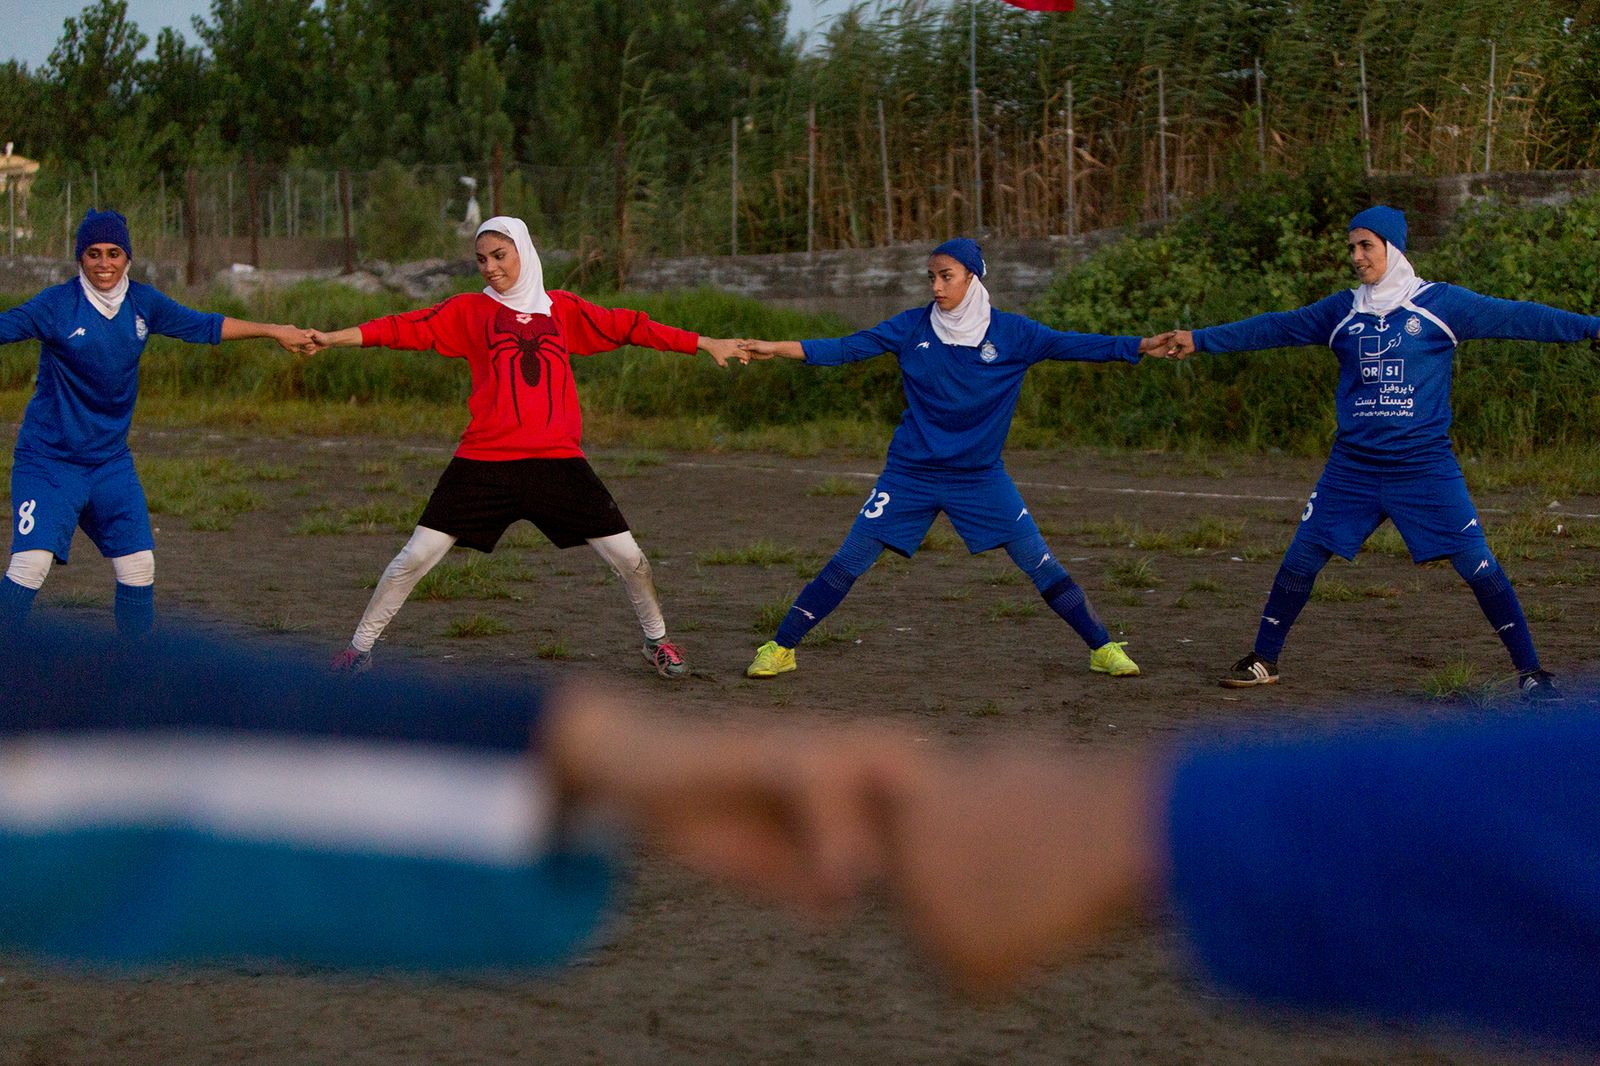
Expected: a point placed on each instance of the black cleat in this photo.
(1250, 671)
(1539, 686)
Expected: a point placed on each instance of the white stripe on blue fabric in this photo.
(1431, 317)
(1335, 334)
(336, 794)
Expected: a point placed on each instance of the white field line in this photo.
(1111, 490)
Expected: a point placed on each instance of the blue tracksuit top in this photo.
(89, 365)
(1442, 871)
(1393, 402)
(960, 399)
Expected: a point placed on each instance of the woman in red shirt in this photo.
(519, 457)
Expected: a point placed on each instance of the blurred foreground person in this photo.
(173, 809)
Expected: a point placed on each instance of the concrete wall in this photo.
(867, 285)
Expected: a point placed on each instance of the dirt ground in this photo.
(948, 643)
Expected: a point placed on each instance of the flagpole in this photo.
(977, 141)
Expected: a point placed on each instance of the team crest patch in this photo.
(1413, 326)
(140, 330)
(988, 352)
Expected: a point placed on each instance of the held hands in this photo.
(294, 339)
(1174, 344)
(999, 862)
(722, 350)
(755, 349)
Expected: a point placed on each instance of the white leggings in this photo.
(427, 547)
(30, 568)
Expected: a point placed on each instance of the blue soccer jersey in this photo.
(960, 398)
(1393, 401)
(89, 365)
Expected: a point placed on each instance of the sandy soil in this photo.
(951, 644)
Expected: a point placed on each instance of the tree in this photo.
(94, 71)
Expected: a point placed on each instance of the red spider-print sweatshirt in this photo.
(524, 401)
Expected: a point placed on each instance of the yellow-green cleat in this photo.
(772, 659)
(1109, 658)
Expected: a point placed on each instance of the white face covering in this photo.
(107, 303)
(1398, 284)
(968, 323)
(527, 293)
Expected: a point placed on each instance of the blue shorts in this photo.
(50, 498)
(1429, 506)
(984, 506)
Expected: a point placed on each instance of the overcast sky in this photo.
(32, 27)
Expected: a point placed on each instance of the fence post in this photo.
(1072, 201)
(977, 141)
(1261, 120)
(733, 188)
(191, 225)
(1366, 127)
(349, 235)
(1161, 134)
(497, 177)
(254, 195)
(888, 198)
(1488, 141)
(11, 229)
(811, 178)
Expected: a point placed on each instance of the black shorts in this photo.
(476, 500)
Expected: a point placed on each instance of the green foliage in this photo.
(1281, 247)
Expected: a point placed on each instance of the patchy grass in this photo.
(941, 538)
(1133, 574)
(553, 649)
(1204, 584)
(1544, 613)
(476, 625)
(476, 577)
(1012, 609)
(1211, 532)
(209, 490)
(762, 553)
(1459, 680)
(632, 464)
(524, 536)
(834, 485)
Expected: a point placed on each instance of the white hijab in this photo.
(527, 293)
(968, 323)
(107, 303)
(1398, 284)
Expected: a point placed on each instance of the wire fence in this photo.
(860, 175)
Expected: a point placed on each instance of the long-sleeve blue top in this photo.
(89, 365)
(189, 798)
(1393, 401)
(960, 398)
(1445, 872)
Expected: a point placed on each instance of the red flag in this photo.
(1042, 5)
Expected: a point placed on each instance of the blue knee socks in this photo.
(134, 609)
(15, 603)
(1290, 591)
(1501, 606)
(1067, 599)
(1064, 595)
